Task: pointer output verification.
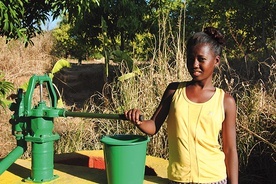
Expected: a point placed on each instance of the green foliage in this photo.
(11, 13)
(63, 41)
(97, 55)
(24, 86)
(143, 46)
(124, 19)
(58, 66)
(71, 41)
(110, 26)
(5, 88)
(22, 19)
(247, 25)
(134, 73)
(120, 56)
(126, 61)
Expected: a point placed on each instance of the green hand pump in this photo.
(35, 123)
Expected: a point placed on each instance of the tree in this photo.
(63, 41)
(124, 19)
(22, 19)
(248, 25)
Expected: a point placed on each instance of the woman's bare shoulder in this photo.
(171, 88)
(229, 101)
(173, 85)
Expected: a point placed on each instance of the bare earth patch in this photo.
(79, 82)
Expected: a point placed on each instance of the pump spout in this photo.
(13, 156)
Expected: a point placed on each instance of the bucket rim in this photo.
(124, 139)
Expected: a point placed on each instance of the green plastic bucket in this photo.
(125, 157)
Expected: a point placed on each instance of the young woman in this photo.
(197, 112)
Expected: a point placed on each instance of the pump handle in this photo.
(123, 117)
(96, 115)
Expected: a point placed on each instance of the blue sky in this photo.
(51, 24)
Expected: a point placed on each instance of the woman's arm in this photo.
(153, 125)
(229, 139)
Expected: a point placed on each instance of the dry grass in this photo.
(255, 101)
(76, 134)
(18, 64)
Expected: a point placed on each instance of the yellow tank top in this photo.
(195, 154)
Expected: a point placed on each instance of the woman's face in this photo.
(201, 61)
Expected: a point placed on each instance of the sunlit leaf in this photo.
(59, 65)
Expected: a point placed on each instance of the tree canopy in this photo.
(22, 19)
(248, 25)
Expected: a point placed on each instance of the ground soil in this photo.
(79, 82)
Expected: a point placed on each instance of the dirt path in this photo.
(78, 83)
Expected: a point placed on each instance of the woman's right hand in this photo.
(134, 115)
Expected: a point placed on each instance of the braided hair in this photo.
(211, 36)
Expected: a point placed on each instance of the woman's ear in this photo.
(217, 61)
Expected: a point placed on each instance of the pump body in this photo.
(35, 124)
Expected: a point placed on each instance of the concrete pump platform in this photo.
(84, 167)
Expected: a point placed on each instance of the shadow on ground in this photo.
(79, 82)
